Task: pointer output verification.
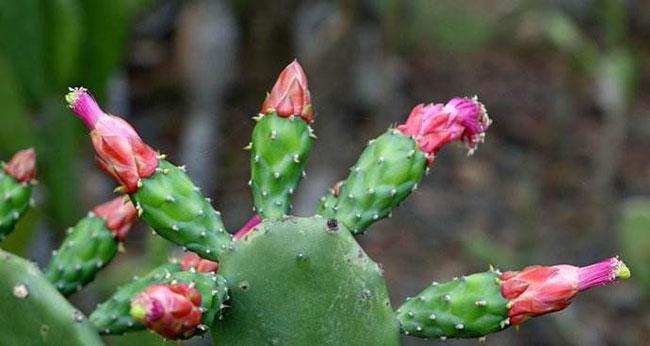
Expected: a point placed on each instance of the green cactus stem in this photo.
(387, 171)
(34, 312)
(170, 203)
(88, 247)
(16, 180)
(328, 202)
(279, 151)
(304, 281)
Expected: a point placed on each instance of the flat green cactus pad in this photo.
(33, 312)
(304, 281)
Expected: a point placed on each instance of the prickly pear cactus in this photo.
(34, 312)
(88, 247)
(304, 281)
(16, 179)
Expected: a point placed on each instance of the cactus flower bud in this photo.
(22, 166)
(193, 261)
(538, 290)
(120, 150)
(173, 311)
(250, 224)
(432, 126)
(290, 95)
(119, 215)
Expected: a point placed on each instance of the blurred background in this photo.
(563, 177)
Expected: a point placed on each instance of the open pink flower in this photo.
(432, 126)
(22, 166)
(193, 261)
(119, 215)
(173, 311)
(120, 150)
(290, 95)
(538, 290)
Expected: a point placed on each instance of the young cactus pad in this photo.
(304, 281)
(16, 178)
(33, 312)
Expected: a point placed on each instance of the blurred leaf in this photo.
(564, 34)
(618, 76)
(613, 20)
(57, 151)
(65, 29)
(16, 130)
(22, 40)
(107, 24)
(635, 238)
(486, 251)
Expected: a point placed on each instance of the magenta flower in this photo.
(119, 215)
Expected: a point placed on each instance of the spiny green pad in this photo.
(33, 312)
(280, 149)
(387, 171)
(170, 203)
(14, 202)
(304, 281)
(327, 204)
(88, 247)
(467, 307)
(112, 316)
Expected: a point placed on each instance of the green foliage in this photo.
(280, 149)
(170, 203)
(304, 281)
(88, 247)
(33, 311)
(466, 307)
(635, 238)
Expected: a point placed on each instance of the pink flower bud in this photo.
(193, 261)
(173, 311)
(120, 150)
(119, 215)
(22, 166)
(538, 290)
(290, 95)
(250, 224)
(432, 126)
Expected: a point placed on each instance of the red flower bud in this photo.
(193, 261)
(119, 215)
(250, 224)
(22, 166)
(120, 150)
(538, 290)
(173, 311)
(290, 95)
(432, 126)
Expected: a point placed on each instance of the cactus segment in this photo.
(387, 171)
(34, 313)
(466, 307)
(113, 317)
(304, 281)
(15, 199)
(328, 202)
(170, 203)
(88, 247)
(279, 152)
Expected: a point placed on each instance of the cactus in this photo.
(281, 143)
(483, 303)
(16, 180)
(90, 245)
(33, 311)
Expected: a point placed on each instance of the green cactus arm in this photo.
(467, 307)
(15, 201)
(279, 151)
(170, 203)
(113, 317)
(387, 171)
(33, 311)
(88, 247)
(328, 202)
